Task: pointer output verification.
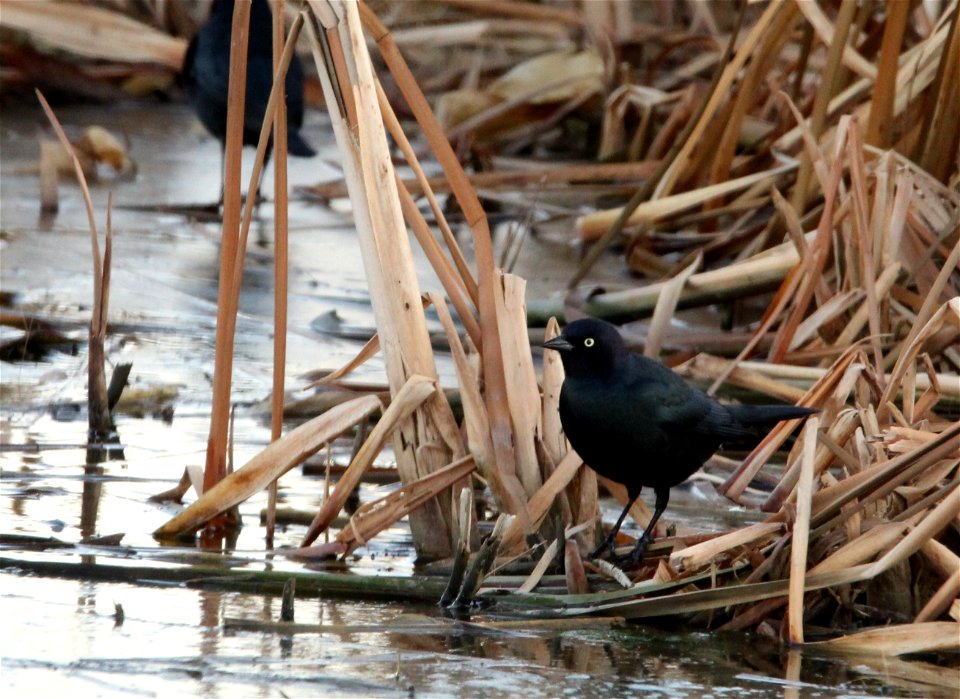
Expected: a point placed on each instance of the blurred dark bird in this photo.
(206, 76)
(638, 423)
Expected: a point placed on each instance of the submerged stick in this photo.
(462, 557)
(287, 600)
(481, 565)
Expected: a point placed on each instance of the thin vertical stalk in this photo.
(828, 82)
(216, 463)
(801, 532)
(879, 128)
(280, 256)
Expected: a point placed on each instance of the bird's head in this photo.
(588, 347)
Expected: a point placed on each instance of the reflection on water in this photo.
(172, 643)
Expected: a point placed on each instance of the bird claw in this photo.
(635, 557)
(606, 547)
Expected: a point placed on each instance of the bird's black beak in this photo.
(559, 343)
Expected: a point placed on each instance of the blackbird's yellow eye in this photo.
(588, 342)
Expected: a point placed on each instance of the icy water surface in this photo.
(61, 637)
(172, 643)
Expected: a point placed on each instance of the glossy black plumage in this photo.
(638, 423)
(206, 75)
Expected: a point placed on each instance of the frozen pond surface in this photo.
(60, 637)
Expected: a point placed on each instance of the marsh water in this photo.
(62, 636)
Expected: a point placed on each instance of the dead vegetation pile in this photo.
(804, 153)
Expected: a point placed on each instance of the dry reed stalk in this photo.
(863, 237)
(896, 640)
(863, 548)
(409, 398)
(280, 258)
(943, 560)
(577, 583)
(702, 554)
(801, 533)
(369, 350)
(528, 11)
(941, 600)
(551, 431)
(871, 484)
(372, 518)
(734, 486)
(475, 419)
(882, 285)
(926, 324)
(528, 177)
(547, 558)
(215, 467)
(666, 307)
(523, 397)
(851, 59)
(591, 226)
(466, 280)
(493, 361)
(806, 376)
(913, 77)
(758, 33)
(349, 80)
(649, 188)
(733, 281)
(934, 154)
(236, 228)
(837, 48)
(843, 424)
(705, 366)
(71, 26)
(748, 91)
(540, 502)
(885, 86)
(269, 464)
(811, 266)
(98, 407)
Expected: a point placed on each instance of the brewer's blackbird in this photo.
(636, 422)
(206, 75)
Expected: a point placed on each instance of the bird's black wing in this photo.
(680, 408)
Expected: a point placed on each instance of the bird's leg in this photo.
(608, 543)
(635, 556)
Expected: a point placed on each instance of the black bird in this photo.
(616, 406)
(206, 75)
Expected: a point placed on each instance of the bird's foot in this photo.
(607, 547)
(635, 557)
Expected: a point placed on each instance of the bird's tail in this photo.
(767, 414)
